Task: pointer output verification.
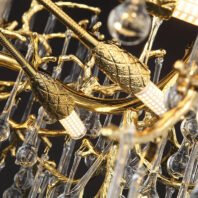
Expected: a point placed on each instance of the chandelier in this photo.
(88, 118)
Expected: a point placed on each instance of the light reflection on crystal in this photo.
(129, 22)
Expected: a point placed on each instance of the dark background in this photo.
(173, 36)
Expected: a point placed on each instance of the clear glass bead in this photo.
(26, 155)
(129, 22)
(189, 128)
(24, 178)
(176, 163)
(12, 192)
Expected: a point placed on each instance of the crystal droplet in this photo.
(26, 155)
(129, 22)
(189, 128)
(176, 163)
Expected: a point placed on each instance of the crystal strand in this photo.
(189, 129)
(27, 154)
(156, 22)
(183, 190)
(39, 122)
(85, 179)
(149, 187)
(40, 174)
(136, 181)
(124, 147)
(67, 40)
(64, 162)
(73, 170)
(32, 142)
(194, 53)
(158, 68)
(44, 184)
(49, 27)
(169, 191)
(69, 145)
(82, 53)
(195, 172)
(4, 117)
(66, 156)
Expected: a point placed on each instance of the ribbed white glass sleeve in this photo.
(153, 98)
(74, 125)
(187, 10)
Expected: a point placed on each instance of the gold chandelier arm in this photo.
(96, 104)
(8, 62)
(161, 8)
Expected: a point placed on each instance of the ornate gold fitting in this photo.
(161, 8)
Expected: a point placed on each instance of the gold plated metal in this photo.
(121, 67)
(161, 8)
(46, 89)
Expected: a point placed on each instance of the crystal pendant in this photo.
(26, 156)
(129, 22)
(176, 163)
(12, 192)
(189, 128)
